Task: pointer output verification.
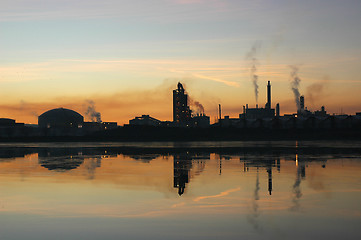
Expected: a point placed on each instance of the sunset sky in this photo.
(127, 56)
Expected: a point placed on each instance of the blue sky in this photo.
(74, 51)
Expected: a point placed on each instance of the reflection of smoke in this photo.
(253, 217)
(251, 56)
(91, 164)
(91, 112)
(295, 82)
(256, 195)
(296, 191)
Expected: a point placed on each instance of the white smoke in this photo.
(251, 56)
(295, 83)
(91, 112)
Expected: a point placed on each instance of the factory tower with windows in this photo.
(181, 113)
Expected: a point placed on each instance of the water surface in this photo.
(198, 190)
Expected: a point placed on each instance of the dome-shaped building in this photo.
(60, 118)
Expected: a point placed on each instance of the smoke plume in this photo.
(91, 112)
(199, 109)
(24, 107)
(251, 56)
(315, 91)
(295, 83)
(199, 106)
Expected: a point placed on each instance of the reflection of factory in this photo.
(10, 153)
(143, 157)
(262, 163)
(60, 159)
(65, 158)
(182, 165)
(66, 122)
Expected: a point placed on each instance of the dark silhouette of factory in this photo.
(190, 123)
(66, 122)
(181, 111)
(182, 114)
(266, 112)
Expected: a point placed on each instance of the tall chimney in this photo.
(277, 110)
(302, 102)
(220, 111)
(268, 105)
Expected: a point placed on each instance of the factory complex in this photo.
(65, 122)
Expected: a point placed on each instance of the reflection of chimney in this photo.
(269, 170)
(302, 102)
(277, 110)
(268, 104)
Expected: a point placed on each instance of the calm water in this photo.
(218, 190)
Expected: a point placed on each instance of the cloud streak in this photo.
(222, 194)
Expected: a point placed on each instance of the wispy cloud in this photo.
(204, 77)
(154, 10)
(222, 194)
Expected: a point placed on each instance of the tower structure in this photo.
(302, 103)
(268, 104)
(181, 111)
(259, 112)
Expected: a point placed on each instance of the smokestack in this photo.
(277, 110)
(302, 102)
(246, 106)
(220, 111)
(268, 105)
(244, 109)
(256, 105)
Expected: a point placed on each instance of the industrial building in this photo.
(145, 120)
(66, 122)
(182, 114)
(61, 122)
(10, 128)
(181, 111)
(261, 113)
(252, 117)
(60, 118)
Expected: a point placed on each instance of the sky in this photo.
(127, 56)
